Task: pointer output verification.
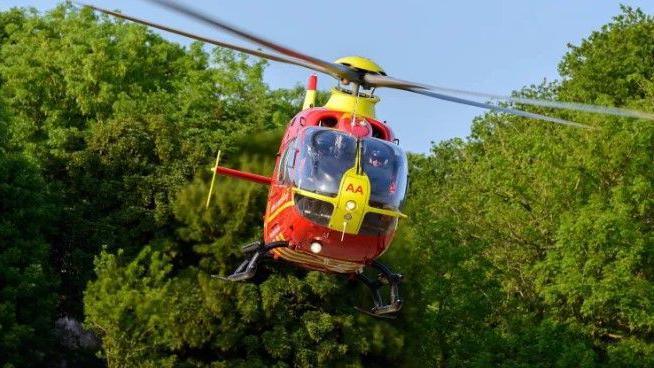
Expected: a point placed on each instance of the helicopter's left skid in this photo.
(254, 251)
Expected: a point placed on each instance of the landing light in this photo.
(315, 247)
(350, 205)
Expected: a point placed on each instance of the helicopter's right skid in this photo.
(385, 277)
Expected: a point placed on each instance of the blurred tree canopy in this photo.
(528, 244)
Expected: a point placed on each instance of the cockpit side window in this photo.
(386, 167)
(287, 164)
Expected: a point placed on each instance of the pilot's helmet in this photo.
(377, 159)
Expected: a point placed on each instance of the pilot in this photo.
(381, 174)
(331, 146)
(316, 167)
(377, 159)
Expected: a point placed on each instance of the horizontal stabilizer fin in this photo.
(243, 175)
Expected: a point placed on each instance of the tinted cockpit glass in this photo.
(386, 166)
(325, 155)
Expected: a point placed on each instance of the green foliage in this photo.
(119, 119)
(538, 249)
(613, 65)
(27, 299)
(173, 312)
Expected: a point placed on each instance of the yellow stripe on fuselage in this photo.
(279, 210)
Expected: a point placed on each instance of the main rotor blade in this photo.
(383, 81)
(244, 50)
(494, 107)
(337, 70)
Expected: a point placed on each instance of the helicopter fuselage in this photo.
(302, 209)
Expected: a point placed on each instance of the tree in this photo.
(119, 120)
(164, 308)
(540, 238)
(27, 297)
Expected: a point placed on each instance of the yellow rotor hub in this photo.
(361, 63)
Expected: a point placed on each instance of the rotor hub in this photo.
(361, 64)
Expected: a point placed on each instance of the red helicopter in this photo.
(340, 178)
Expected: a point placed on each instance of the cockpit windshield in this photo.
(326, 154)
(386, 167)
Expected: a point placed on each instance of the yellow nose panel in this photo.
(351, 204)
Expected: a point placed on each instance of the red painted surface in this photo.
(244, 175)
(312, 83)
(342, 253)
(301, 232)
(343, 256)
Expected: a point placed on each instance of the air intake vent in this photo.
(315, 210)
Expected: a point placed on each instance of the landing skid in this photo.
(371, 314)
(254, 252)
(385, 277)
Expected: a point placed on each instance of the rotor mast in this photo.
(346, 101)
